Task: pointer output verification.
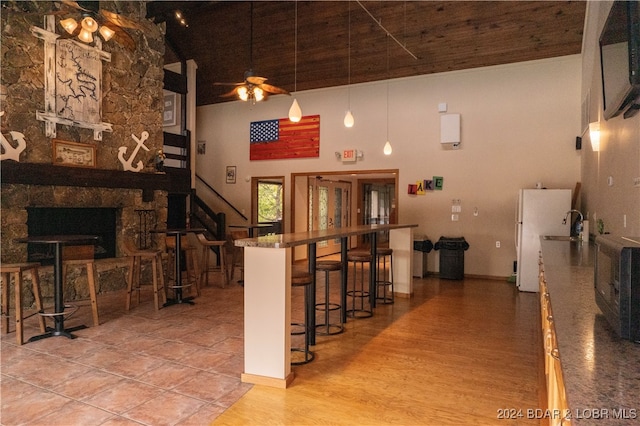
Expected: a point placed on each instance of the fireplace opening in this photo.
(71, 221)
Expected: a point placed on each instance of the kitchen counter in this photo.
(601, 371)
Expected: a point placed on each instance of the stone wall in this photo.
(132, 102)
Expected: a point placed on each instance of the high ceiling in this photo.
(339, 41)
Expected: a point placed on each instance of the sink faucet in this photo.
(578, 227)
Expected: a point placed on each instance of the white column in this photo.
(267, 316)
(401, 241)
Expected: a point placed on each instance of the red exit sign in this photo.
(349, 155)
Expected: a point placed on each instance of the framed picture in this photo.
(73, 154)
(202, 147)
(231, 174)
(170, 107)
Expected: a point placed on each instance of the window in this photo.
(270, 204)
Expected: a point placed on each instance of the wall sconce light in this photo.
(594, 135)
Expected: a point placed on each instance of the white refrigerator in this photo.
(539, 212)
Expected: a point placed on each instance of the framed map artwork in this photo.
(72, 82)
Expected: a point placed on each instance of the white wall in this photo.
(619, 155)
(519, 124)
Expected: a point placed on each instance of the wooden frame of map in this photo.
(72, 82)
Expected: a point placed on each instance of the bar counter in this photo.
(267, 292)
(601, 371)
(301, 238)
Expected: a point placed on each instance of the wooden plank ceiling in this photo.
(338, 41)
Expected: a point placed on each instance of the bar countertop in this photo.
(601, 371)
(301, 238)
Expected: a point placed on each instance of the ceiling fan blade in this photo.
(254, 79)
(273, 89)
(234, 92)
(74, 5)
(119, 20)
(122, 37)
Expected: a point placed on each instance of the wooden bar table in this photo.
(177, 233)
(57, 241)
(267, 292)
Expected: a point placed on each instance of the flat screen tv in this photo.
(620, 60)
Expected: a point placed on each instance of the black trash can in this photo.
(452, 257)
(421, 246)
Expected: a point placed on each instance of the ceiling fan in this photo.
(253, 88)
(107, 24)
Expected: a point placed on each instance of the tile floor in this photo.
(177, 366)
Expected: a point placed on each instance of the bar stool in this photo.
(385, 279)
(136, 256)
(328, 328)
(221, 267)
(360, 293)
(191, 264)
(303, 279)
(237, 253)
(7, 270)
(82, 256)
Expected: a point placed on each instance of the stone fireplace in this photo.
(19, 202)
(131, 103)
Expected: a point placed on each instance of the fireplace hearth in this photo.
(98, 221)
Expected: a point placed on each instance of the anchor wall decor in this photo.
(9, 151)
(127, 165)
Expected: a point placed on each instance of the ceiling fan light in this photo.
(85, 36)
(295, 113)
(258, 93)
(243, 93)
(106, 33)
(89, 24)
(69, 25)
(387, 149)
(348, 119)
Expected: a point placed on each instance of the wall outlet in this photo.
(636, 182)
(454, 217)
(497, 244)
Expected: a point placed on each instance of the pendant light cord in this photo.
(349, 62)
(251, 39)
(387, 87)
(295, 51)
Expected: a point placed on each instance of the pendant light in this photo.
(295, 113)
(348, 118)
(387, 150)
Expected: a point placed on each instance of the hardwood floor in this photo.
(455, 353)
(458, 352)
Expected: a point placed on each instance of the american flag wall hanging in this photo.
(282, 138)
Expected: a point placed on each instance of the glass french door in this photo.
(329, 207)
(377, 207)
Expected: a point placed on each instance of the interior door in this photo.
(377, 207)
(329, 207)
